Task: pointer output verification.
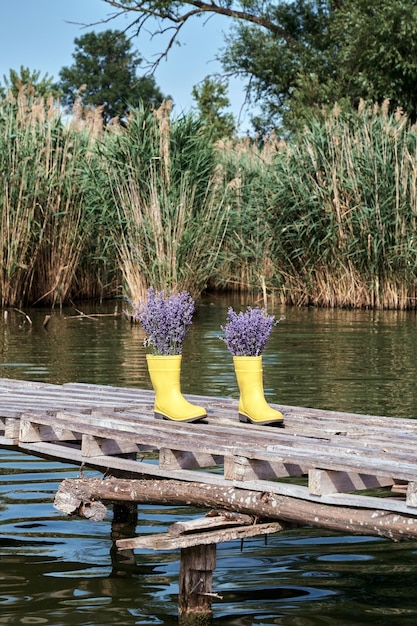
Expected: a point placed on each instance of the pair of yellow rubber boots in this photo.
(170, 404)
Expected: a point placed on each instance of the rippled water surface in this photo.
(58, 570)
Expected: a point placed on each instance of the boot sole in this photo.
(247, 420)
(161, 416)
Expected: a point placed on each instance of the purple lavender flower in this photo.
(246, 334)
(165, 319)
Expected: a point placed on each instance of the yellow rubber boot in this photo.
(170, 404)
(252, 404)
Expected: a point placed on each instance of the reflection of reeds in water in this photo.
(169, 199)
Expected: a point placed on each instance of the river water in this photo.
(58, 571)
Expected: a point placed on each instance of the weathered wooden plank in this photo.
(306, 417)
(208, 440)
(164, 541)
(183, 437)
(298, 414)
(108, 463)
(210, 522)
(287, 435)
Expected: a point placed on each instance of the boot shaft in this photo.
(164, 371)
(249, 373)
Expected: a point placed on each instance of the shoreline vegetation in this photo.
(328, 218)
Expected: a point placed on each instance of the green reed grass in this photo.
(248, 263)
(42, 193)
(170, 205)
(344, 217)
(329, 219)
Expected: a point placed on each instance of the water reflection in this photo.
(358, 361)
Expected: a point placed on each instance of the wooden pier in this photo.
(345, 472)
(320, 457)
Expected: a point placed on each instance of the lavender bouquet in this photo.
(165, 319)
(247, 333)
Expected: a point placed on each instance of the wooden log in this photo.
(265, 505)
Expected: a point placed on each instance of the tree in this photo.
(104, 74)
(301, 55)
(30, 82)
(211, 99)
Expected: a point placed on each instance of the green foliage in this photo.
(104, 74)
(302, 56)
(30, 82)
(379, 52)
(211, 100)
(247, 263)
(329, 219)
(331, 52)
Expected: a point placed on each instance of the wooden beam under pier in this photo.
(75, 496)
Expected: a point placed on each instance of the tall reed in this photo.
(97, 274)
(329, 219)
(169, 198)
(247, 264)
(20, 214)
(41, 199)
(345, 209)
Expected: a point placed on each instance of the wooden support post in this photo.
(322, 482)
(178, 459)
(412, 494)
(244, 469)
(195, 592)
(11, 428)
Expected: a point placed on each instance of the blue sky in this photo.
(39, 34)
